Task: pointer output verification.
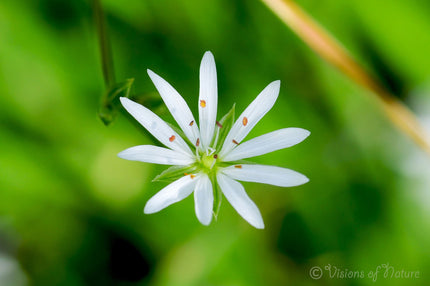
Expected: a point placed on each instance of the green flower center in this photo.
(208, 162)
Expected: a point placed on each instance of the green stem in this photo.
(104, 43)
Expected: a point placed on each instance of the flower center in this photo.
(208, 162)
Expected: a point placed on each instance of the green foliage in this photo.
(71, 210)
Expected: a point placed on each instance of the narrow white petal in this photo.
(156, 155)
(236, 195)
(208, 98)
(271, 175)
(156, 126)
(267, 143)
(177, 107)
(250, 117)
(204, 200)
(176, 191)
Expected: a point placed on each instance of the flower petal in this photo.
(267, 143)
(271, 175)
(204, 200)
(250, 117)
(176, 191)
(177, 106)
(156, 155)
(156, 126)
(236, 195)
(208, 98)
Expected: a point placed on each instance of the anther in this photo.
(191, 123)
(202, 103)
(172, 138)
(198, 142)
(192, 176)
(215, 156)
(238, 166)
(235, 142)
(244, 121)
(219, 124)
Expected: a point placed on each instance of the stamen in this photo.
(238, 166)
(219, 124)
(191, 123)
(210, 151)
(192, 176)
(172, 138)
(215, 156)
(203, 103)
(235, 142)
(198, 142)
(244, 121)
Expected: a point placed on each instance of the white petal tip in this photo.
(149, 209)
(276, 84)
(121, 155)
(300, 181)
(126, 155)
(150, 72)
(205, 223)
(305, 180)
(208, 54)
(126, 102)
(259, 226)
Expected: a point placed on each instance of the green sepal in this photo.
(173, 173)
(221, 132)
(217, 197)
(109, 105)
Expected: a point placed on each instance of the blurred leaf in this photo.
(109, 107)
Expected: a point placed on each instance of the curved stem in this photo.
(326, 46)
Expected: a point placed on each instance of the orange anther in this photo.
(238, 166)
(191, 123)
(172, 138)
(202, 103)
(235, 142)
(244, 121)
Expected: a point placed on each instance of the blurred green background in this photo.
(71, 210)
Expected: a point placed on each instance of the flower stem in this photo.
(333, 52)
(104, 43)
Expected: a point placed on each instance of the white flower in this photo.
(211, 154)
